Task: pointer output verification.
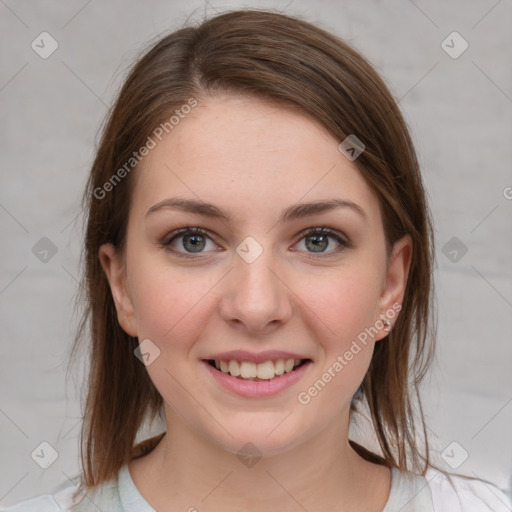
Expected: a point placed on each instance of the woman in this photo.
(259, 258)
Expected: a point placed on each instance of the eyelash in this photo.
(343, 244)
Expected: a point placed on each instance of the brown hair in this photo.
(277, 58)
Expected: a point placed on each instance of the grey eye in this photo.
(321, 240)
(318, 243)
(194, 242)
(190, 241)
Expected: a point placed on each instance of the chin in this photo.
(256, 439)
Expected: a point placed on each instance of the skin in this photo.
(254, 159)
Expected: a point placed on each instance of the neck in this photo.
(191, 472)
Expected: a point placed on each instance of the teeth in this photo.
(264, 371)
(234, 368)
(279, 367)
(248, 370)
(288, 365)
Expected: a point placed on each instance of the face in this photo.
(255, 273)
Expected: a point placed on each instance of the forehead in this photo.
(251, 155)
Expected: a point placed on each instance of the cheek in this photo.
(167, 304)
(341, 309)
(345, 301)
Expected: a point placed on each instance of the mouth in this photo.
(257, 372)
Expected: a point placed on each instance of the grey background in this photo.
(459, 111)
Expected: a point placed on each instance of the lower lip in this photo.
(254, 389)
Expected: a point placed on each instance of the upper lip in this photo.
(260, 357)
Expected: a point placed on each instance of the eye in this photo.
(186, 241)
(319, 240)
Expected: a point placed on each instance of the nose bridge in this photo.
(252, 269)
(255, 296)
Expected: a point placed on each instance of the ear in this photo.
(114, 268)
(395, 283)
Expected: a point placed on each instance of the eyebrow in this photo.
(294, 212)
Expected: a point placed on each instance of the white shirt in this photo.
(409, 493)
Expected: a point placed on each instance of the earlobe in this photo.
(113, 266)
(393, 292)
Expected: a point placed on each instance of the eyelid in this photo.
(323, 230)
(169, 237)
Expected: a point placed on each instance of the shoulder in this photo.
(456, 493)
(105, 497)
(441, 492)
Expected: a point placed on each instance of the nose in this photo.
(256, 297)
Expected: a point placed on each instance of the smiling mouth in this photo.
(268, 370)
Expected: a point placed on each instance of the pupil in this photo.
(320, 242)
(196, 241)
